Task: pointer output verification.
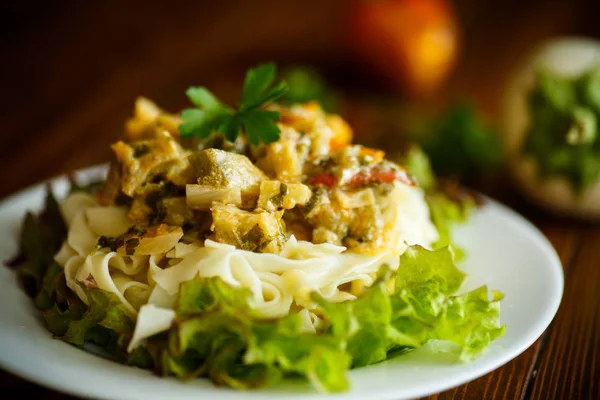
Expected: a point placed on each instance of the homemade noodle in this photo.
(279, 282)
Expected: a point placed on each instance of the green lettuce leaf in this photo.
(445, 214)
(212, 345)
(283, 344)
(200, 295)
(65, 305)
(449, 205)
(41, 237)
(45, 298)
(104, 310)
(103, 322)
(417, 162)
(471, 321)
(140, 357)
(218, 334)
(363, 324)
(58, 320)
(420, 307)
(425, 304)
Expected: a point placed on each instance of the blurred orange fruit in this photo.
(413, 43)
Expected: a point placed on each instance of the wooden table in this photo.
(71, 71)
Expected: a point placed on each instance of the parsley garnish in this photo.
(214, 116)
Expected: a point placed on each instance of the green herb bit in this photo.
(307, 84)
(212, 115)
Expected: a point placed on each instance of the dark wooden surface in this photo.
(71, 70)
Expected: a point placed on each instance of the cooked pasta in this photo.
(290, 230)
(278, 282)
(249, 244)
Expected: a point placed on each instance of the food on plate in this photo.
(551, 112)
(249, 243)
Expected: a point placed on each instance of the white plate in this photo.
(504, 250)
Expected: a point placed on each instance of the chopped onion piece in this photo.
(201, 197)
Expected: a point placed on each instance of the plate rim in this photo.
(542, 324)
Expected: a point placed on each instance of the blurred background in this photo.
(71, 70)
(396, 70)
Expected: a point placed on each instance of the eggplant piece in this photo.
(258, 231)
(275, 195)
(146, 159)
(202, 197)
(177, 212)
(284, 160)
(150, 122)
(112, 186)
(222, 169)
